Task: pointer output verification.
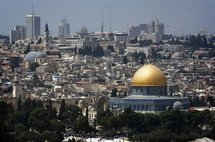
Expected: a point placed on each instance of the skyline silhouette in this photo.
(182, 16)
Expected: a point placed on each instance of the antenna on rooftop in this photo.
(32, 7)
(126, 25)
(110, 18)
(156, 18)
(102, 27)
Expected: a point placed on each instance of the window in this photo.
(130, 106)
(151, 107)
(138, 107)
(147, 107)
(134, 107)
(142, 107)
(163, 107)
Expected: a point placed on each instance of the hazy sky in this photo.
(183, 16)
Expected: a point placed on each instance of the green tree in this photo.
(135, 55)
(211, 101)
(73, 112)
(145, 43)
(135, 40)
(62, 109)
(141, 60)
(27, 50)
(27, 105)
(173, 121)
(114, 92)
(102, 118)
(19, 104)
(33, 66)
(110, 47)
(5, 133)
(151, 122)
(82, 124)
(38, 120)
(87, 112)
(54, 113)
(113, 123)
(57, 126)
(73, 139)
(5, 110)
(159, 135)
(19, 128)
(125, 94)
(74, 125)
(39, 41)
(133, 121)
(52, 136)
(125, 60)
(98, 52)
(49, 109)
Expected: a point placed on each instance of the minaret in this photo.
(17, 90)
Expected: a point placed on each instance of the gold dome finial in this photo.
(149, 75)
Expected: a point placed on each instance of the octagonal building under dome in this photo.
(149, 93)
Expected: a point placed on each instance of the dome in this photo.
(149, 75)
(177, 105)
(80, 102)
(83, 30)
(31, 56)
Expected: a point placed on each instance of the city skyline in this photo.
(182, 16)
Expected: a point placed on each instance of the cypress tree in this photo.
(62, 109)
(19, 104)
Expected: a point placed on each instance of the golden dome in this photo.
(149, 75)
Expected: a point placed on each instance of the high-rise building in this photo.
(32, 26)
(22, 31)
(64, 28)
(19, 32)
(14, 36)
(155, 27)
(151, 31)
(135, 31)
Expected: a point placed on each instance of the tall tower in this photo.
(102, 26)
(22, 31)
(46, 36)
(110, 18)
(32, 26)
(19, 32)
(17, 90)
(64, 28)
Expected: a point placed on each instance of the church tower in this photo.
(46, 36)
